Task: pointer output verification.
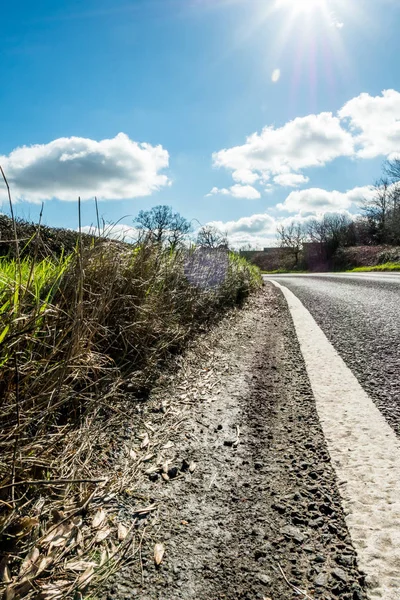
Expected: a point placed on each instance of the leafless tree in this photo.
(292, 236)
(211, 237)
(162, 225)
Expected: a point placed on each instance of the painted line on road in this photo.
(365, 454)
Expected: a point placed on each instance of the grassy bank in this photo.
(389, 266)
(77, 333)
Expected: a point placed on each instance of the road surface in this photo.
(360, 315)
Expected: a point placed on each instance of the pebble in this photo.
(321, 580)
(340, 574)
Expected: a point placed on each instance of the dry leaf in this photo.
(168, 445)
(85, 578)
(98, 518)
(57, 515)
(9, 593)
(145, 442)
(29, 562)
(122, 532)
(44, 563)
(5, 574)
(165, 467)
(26, 524)
(165, 476)
(158, 553)
(53, 591)
(103, 557)
(102, 534)
(132, 454)
(56, 532)
(148, 457)
(79, 565)
(192, 467)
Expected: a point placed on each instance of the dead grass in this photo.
(75, 336)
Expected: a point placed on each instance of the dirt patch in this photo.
(260, 516)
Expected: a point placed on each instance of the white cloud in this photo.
(291, 179)
(375, 123)
(237, 191)
(245, 176)
(256, 230)
(70, 167)
(317, 200)
(304, 142)
(276, 75)
(118, 231)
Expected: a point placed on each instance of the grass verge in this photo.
(388, 266)
(76, 333)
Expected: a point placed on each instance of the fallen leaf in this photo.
(29, 561)
(98, 518)
(165, 476)
(168, 445)
(145, 442)
(44, 563)
(158, 553)
(57, 515)
(122, 532)
(52, 591)
(79, 565)
(192, 467)
(101, 535)
(56, 532)
(132, 454)
(103, 557)
(9, 593)
(84, 579)
(5, 574)
(148, 457)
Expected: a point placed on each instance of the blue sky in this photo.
(243, 113)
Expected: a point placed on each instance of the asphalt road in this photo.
(360, 315)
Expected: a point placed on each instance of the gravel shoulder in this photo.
(258, 514)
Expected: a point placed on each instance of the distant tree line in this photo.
(377, 224)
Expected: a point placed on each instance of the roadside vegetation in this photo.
(84, 321)
(385, 267)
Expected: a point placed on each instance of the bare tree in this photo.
(163, 225)
(292, 236)
(211, 237)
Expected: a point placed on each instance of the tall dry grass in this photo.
(75, 331)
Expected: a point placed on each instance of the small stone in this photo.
(319, 559)
(340, 574)
(345, 559)
(293, 532)
(321, 580)
(264, 578)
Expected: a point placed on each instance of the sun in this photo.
(302, 6)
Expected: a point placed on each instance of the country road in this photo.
(360, 315)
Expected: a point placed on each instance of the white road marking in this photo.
(365, 454)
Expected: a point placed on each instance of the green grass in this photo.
(282, 271)
(389, 266)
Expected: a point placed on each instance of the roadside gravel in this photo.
(361, 318)
(258, 515)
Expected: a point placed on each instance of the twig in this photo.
(50, 482)
(18, 429)
(296, 589)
